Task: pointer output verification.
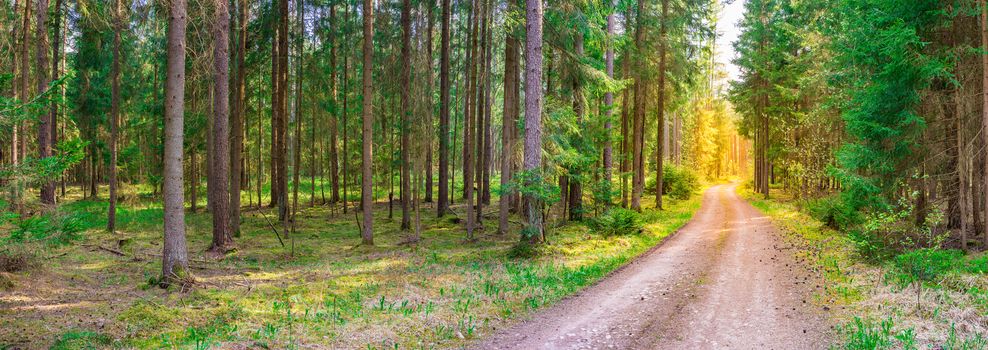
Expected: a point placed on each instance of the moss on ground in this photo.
(323, 288)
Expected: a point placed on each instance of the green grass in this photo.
(439, 293)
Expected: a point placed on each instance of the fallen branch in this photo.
(276, 234)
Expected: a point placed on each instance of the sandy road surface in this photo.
(724, 281)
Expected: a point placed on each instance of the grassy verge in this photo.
(331, 292)
(875, 309)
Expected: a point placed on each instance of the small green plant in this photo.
(617, 221)
(867, 335)
(81, 339)
(925, 266)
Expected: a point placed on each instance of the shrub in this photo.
(832, 212)
(925, 266)
(617, 221)
(57, 228)
(678, 182)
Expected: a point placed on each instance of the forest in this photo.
(493, 174)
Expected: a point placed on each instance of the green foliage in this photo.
(679, 182)
(832, 212)
(57, 228)
(81, 340)
(883, 66)
(617, 221)
(868, 335)
(926, 265)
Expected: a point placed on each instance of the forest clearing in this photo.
(493, 174)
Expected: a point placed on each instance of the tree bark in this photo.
(609, 99)
(427, 167)
(367, 185)
(660, 109)
(44, 122)
(533, 112)
(406, 113)
(509, 115)
(442, 203)
(468, 122)
(579, 106)
(118, 22)
(638, 163)
(984, 105)
(175, 260)
(219, 188)
(238, 119)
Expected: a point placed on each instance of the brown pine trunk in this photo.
(334, 165)
(118, 22)
(660, 109)
(56, 65)
(533, 112)
(427, 167)
(984, 105)
(406, 113)
(367, 185)
(275, 110)
(579, 107)
(282, 129)
(638, 163)
(488, 142)
(238, 119)
(175, 261)
(44, 129)
(609, 98)
(346, 74)
(468, 122)
(442, 204)
(219, 188)
(509, 116)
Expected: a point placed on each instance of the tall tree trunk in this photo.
(442, 203)
(19, 74)
(984, 105)
(626, 109)
(275, 109)
(660, 109)
(296, 147)
(638, 165)
(509, 115)
(334, 165)
(579, 107)
(427, 167)
(609, 99)
(346, 106)
(367, 180)
(468, 121)
(488, 77)
(406, 112)
(533, 112)
(44, 123)
(56, 65)
(175, 260)
(282, 129)
(219, 188)
(118, 22)
(238, 119)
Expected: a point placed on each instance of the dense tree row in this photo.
(882, 100)
(449, 103)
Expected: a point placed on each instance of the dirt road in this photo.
(724, 281)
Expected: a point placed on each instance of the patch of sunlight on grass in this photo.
(333, 292)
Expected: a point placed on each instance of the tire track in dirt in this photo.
(720, 282)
